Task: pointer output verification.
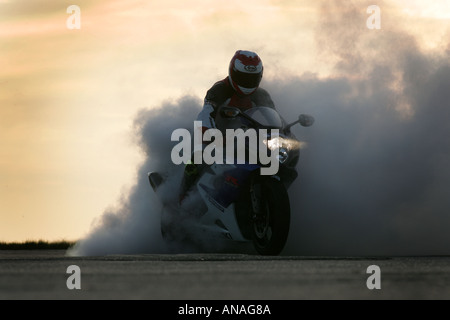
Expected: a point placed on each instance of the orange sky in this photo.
(68, 97)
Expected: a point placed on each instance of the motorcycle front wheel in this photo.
(270, 226)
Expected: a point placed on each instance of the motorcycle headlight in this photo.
(283, 155)
(274, 143)
(282, 144)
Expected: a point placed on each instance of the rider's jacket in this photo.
(222, 92)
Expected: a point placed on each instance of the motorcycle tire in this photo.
(270, 227)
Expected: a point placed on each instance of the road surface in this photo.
(45, 274)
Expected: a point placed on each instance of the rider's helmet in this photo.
(245, 72)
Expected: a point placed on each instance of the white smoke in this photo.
(134, 225)
(375, 177)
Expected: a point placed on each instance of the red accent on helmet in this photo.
(248, 60)
(245, 72)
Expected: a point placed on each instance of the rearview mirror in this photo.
(306, 120)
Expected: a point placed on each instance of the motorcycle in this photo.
(235, 201)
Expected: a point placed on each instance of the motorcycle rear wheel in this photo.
(270, 227)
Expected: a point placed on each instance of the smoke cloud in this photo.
(375, 177)
(133, 226)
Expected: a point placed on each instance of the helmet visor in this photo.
(246, 80)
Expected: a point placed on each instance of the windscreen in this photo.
(265, 116)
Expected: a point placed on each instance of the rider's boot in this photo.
(190, 175)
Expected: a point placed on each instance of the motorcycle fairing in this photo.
(226, 187)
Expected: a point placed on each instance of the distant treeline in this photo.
(36, 245)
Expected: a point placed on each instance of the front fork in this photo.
(256, 194)
(255, 197)
(260, 218)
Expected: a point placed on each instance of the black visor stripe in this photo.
(246, 80)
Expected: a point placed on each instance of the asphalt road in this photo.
(43, 275)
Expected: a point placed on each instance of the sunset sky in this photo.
(68, 97)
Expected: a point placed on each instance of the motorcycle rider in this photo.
(239, 89)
